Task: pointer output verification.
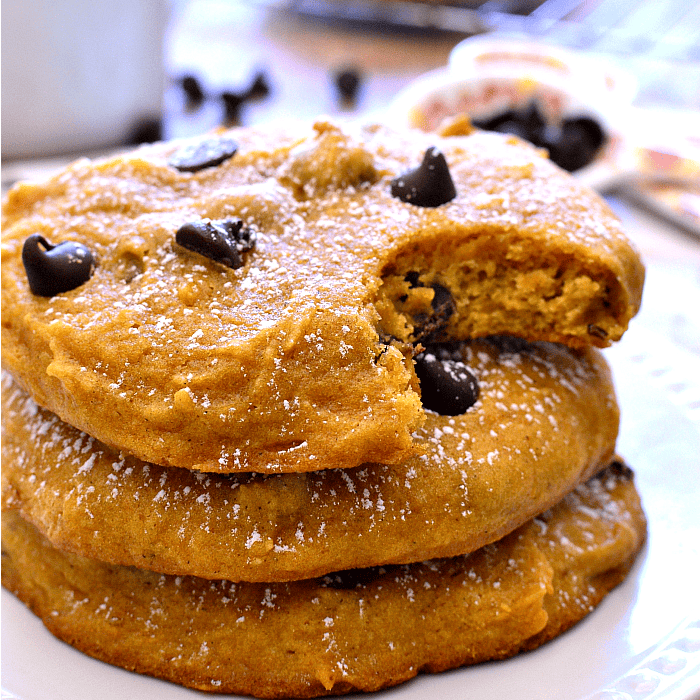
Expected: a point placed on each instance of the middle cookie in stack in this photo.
(295, 373)
(545, 420)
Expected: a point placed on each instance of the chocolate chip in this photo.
(347, 82)
(534, 123)
(259, 88)
(513, 127)
(429, 185)
(448, 386)
(353, 578)
(597, 331)
(193, 91)
(223, 241)
(571, 145)
(206, 153)
(577, 143)
(619, 469)
(55, 269)
(148, 130)
(494, 121)
(232, 101)
(426, 327)
(588, 126)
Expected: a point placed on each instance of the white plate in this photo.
(642, 643)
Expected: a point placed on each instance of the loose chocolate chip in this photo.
(259, 88)
(55, 269)
(206, 153)
(535, 124)
(448, 386)
(146, 131)
(577, 143)
(223, 241)
(571, 145)
(426, 327)
(590, 127)
(527, 124)
(493, 122)
(347, 82)
(513, 127)
(429, 185)
(232, 101)
(193, 91)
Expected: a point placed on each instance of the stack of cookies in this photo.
(297, 413)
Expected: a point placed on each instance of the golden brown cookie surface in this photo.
(362, 630)
(277, 365)
(546, 418)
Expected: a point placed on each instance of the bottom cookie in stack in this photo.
(365, 629)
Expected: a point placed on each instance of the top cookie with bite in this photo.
(252, 300)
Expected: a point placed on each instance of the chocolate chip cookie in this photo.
(359, 630)
(253, 300)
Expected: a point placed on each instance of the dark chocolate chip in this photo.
(348, 82)
(233, 101)
(593, 130)
(493, 122)
(259, 88)
(55, 269)
(193, 91)
(571, 145)
(534, 123)
(429, 185)
(513, 127)
(448, 386)
(223, 241)
(577, 143)
(147, 130)
(597, 331)
(426, 327)
(413, 278)
(353, 578)
(206, 153)
(620, 469)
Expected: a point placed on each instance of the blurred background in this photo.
(76, 65)
(83, 77)
(611, 87)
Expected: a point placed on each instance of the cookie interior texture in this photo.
(362, 630)
(545, 420)
(301, 359)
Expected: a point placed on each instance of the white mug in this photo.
(79, 75)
